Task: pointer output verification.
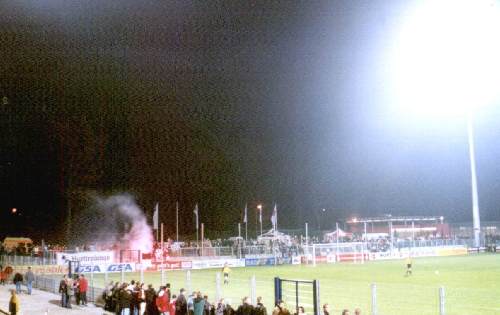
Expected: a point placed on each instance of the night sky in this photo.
(222, 103)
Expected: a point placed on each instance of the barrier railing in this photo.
(375, 298)
(18, 260)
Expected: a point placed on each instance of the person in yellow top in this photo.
(408, 265)
(14, 303)
(226, 270)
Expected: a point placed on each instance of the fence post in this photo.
(55, 285)
(217, 287)
(374, 299)
(92, 299)
(142, 274)
(123, 275)
(313, 255)
(441, 301)
(253, 291)
(188, 281)
(162, 276)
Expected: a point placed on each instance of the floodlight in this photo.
(446, 58)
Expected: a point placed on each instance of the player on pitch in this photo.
(408, 265)
(226, 270)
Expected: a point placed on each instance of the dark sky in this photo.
(222, 103)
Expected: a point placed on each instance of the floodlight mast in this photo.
(475, 199)
(446, 64)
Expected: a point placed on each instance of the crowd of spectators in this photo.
(136, 299)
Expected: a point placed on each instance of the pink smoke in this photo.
(127, 222)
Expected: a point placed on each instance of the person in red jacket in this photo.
(162, 302)
(172, 304)
(84, 286)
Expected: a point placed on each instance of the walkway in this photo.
(44, 303)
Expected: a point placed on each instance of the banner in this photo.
(103, 268)
(296, 260)
(42, 269)
(452, 251)
(217, 263)
(420, 252)
(86, 258)
(269, 261)
(173, 265)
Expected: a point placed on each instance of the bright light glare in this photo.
(447, 57)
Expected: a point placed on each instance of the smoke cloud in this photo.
(116, 221)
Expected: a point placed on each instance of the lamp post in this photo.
(475, 200)
(259, 207)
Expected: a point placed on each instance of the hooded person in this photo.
(14, 304)
(245, 308)
(162, 302)
(198, 304)
(181, 303)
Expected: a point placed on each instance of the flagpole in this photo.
(337, 249)
(202, 237)
(177, 221)
(246, 223)
(162, 250)
(260, 218)
(155, 221)
(197, 213)
(276, 217)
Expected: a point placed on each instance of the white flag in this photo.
(274, 217)
(245, 218)
(155, 217)
(195, 211)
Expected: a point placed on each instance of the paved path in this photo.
(41, 303)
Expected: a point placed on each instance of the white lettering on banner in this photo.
(416, 252)
(86, 258)
(105, 268)
(217, 263)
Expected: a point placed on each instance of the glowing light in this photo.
(446, 59)
(259, 207)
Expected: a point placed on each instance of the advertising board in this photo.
(106, 268)
(217, 263)
(420, 252)
(264, 261)
(87, 258)
(42, 269)
(452, 251)
(173, 265)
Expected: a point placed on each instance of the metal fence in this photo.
(374, 299)
(230, 251)
(50, 283)
(223, 251)
(203, 251)
(433, 243)
(17, 260)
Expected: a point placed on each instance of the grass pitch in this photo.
(472, 284)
